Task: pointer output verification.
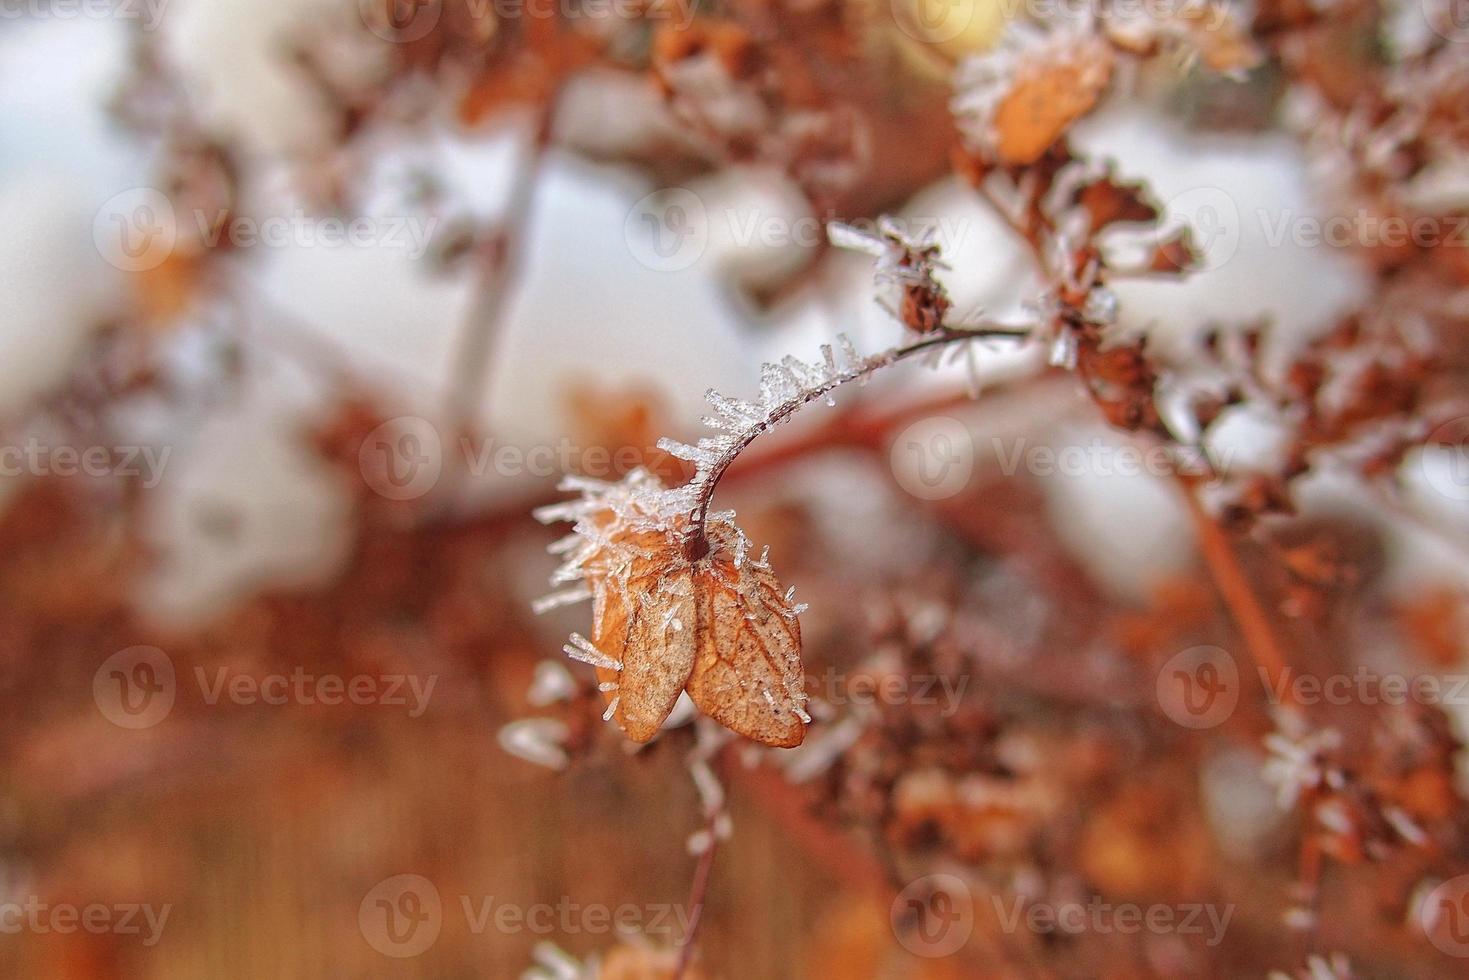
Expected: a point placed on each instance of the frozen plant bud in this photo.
(910, 263)
(718, 625)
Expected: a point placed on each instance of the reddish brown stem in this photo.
(697, 545)
(698, 892)
(1234, 587)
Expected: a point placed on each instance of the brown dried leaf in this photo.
(748, 674)
(642, 616)
(646, 624)
(1045, 102)
(719, 624)
(1110, 201)
(1175, 254)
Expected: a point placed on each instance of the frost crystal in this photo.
(903, 261)
(580, 648)
(900, 258)
(1297, 761)
(1334, 966)
(784, 387)
(538, 740)
(554, 963)
(552, 683)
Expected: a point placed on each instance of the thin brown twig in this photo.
(498, 268)
(1234, 587)
(698, 541)
(699, 891)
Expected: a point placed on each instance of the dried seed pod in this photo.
(718, 625)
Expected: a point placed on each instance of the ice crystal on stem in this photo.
(784, 388)
(1299, 759)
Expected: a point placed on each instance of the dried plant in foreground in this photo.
(718, 626)
(678, 602)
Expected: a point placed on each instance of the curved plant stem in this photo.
(698, 542)
(698, 891)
